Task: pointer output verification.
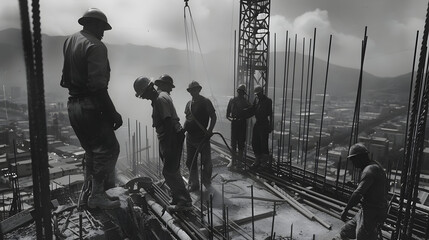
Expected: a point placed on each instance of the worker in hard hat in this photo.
(170, 135)
(371, 193)
(199, 113)
(236, 114)
(86, 75)
(262, 109)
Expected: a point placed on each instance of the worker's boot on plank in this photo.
(231, 164)
(109, 183)
(98, 197)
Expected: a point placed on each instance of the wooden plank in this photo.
(16, 221)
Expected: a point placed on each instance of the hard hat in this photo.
(94, 13)
(165, 78)
(258, 89)
(357, 149)
(141, 84)
(242, 87)
(193, 84)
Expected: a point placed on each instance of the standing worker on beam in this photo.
(199, 111)
(235, 113)
(170, 135)
(86, 74)
(371, 192)
(262, 109)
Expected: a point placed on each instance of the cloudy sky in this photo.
(392, 25)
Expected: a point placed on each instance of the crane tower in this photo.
(253, 45)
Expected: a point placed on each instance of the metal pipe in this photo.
(168, 220)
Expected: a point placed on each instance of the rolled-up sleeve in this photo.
(98, 67)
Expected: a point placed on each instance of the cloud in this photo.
(304, 25)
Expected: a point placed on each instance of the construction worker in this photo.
(170, 135)
(86, 75)
(236, 114)
(263, 112)
(371, 192)
(199, 111)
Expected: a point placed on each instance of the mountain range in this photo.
(214, 71)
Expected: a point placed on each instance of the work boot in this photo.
(109, 183)
(98, 197)
(233, 161)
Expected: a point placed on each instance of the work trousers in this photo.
(170, 151)
(364, 225)
(238, 134)
(192, 160)
(260, 139)
(96, 137)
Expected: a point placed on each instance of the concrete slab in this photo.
(288, 221)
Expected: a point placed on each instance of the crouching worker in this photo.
(371, 192)
(170, 135)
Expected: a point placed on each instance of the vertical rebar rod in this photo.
(285, 97)
(310, 94)
(291, 105)
(129, 142)
(272, 223)
(153, 144)
(408, 107)
(137, 142)
(223, 208)
(300, 101)
(338, 174)
(274, 93)
(147, 146)
(304, 138)
(281, 139)
(134, 155)
(326, 168)
(323, 109)
(227, 223)
(411, 130)
(253, 214)
(211, 216)
(355, 124)
(32, 44)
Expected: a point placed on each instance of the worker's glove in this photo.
(117, 120)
